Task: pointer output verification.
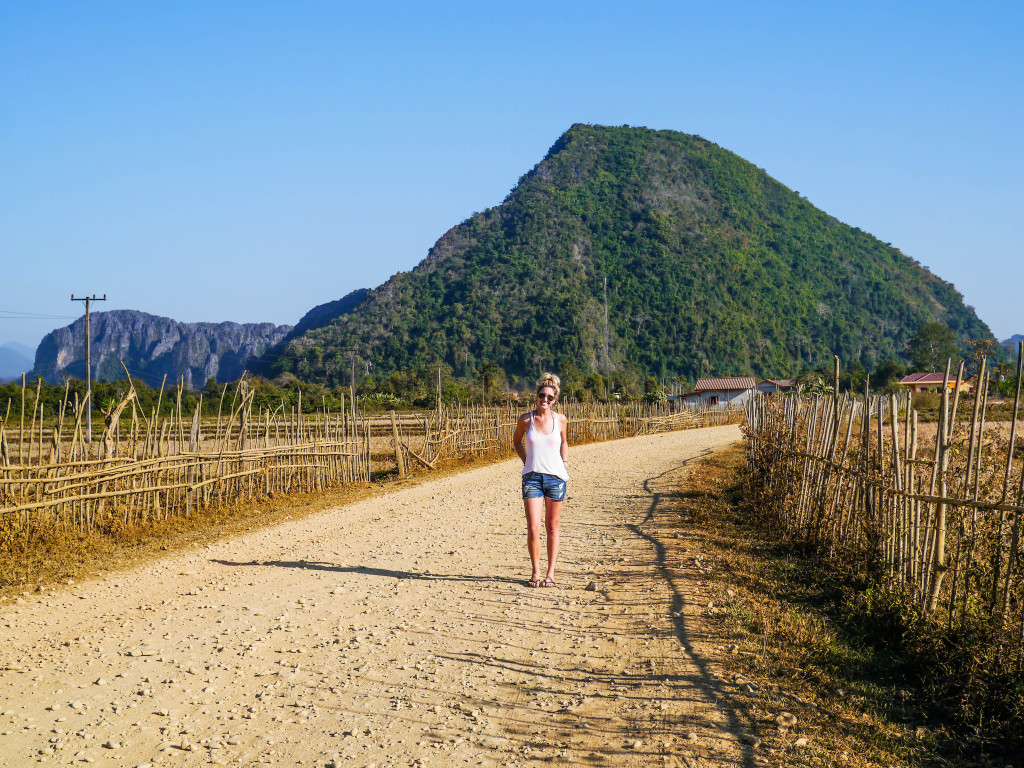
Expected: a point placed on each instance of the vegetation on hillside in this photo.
(712, 267)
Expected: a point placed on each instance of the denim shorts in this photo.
(537, 485)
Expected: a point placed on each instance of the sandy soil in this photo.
(397, 631)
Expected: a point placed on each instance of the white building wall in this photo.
(725, 397)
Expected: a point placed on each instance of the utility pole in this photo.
(88, 360)
(607, 362)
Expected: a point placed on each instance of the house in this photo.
(774, 386)
(932, 382)
(730, 390)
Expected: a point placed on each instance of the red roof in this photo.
(739, 383)
(925, 378)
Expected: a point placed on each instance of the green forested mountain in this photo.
(712, 267)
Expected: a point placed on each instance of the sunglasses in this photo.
(547, 398)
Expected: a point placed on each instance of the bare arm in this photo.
(564, 449)
(520, 433)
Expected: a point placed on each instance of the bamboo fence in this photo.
(935, 519)
(151, 468)
(452, 433)
(143, 468)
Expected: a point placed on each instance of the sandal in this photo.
(533, 583)
(548, 582)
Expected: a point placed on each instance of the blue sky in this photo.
(246, 160)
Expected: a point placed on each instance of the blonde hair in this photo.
(550, 380)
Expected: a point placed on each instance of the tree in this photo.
(1003, 371)
(681, 384)
(492, 382)
(657, 395)
(851, 377)
(1005, 378)
(931, 347)
(813, 383)
(572, 379)
(979, 350)
(629, 381)
(886, 373)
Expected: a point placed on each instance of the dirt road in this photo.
(397, 631)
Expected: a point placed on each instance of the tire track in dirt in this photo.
(396, 631)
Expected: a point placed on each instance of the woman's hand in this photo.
(520, 433)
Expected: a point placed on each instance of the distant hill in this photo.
(713, 267)
(21, 349)
(323, 314)
(1011, 342)
(14, 361)
(153, 346)
(317, 317)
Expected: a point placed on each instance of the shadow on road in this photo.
(308, 565)
(659, 501)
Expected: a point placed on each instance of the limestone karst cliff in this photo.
(152, 346)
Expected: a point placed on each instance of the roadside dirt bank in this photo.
(396, 631)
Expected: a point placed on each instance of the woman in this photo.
(540, 440)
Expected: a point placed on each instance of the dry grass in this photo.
(928, 404)
(806, 641)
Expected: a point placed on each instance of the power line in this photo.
(13, 314)
(33, 314)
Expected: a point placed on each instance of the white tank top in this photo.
(544, 451)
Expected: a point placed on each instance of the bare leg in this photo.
(551, 519)
(534, 513)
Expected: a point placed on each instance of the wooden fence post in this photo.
(399, 459)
